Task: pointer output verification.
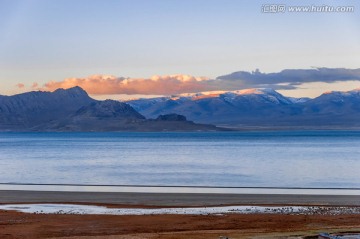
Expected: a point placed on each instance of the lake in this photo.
(311, 159)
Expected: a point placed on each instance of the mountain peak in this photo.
(357, 90)
(350, 92)
(257, 91)
(213, 94)
(73, 91)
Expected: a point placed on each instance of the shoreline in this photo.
(175, 199)
(170, 226)
(177, 189)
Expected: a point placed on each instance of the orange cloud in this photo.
(35, 85)
(156, 85)
(20, 85)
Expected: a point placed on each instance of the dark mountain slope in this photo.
(74, 110)
(27, 110)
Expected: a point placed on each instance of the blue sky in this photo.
(43, 41)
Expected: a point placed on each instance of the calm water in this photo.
(279, 159)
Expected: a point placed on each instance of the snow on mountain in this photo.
(298, 100)
(264, 107)
(264, 94)
(271, 94)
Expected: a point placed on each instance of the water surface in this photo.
(227, 159)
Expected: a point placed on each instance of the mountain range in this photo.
(74, 110)
(259, 108)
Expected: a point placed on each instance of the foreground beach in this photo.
(20, 225)
(254, 225)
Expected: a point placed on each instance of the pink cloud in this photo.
(35, 85)
(156, 85)
(20, 85)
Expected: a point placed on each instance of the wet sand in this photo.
(20, 225)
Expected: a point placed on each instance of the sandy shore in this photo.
(20, 225)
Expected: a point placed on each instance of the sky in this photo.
(130, 48)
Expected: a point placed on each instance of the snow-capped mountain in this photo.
(258, 107)
(336, 103)
(251, 96)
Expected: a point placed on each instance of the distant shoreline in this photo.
(224, 129)
(178, 186)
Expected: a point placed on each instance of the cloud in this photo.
(35, 85)
(291, 78)
(177, 84)
(156, 85)
(20, 85)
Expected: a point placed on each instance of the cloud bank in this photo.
(177, 84)
(290, 78)
(156, 85)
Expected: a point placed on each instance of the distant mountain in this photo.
(259, 108)
(334, 108)
(74, 110)
(30, 109)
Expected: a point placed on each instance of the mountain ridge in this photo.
(74, 110)
(259, 107)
